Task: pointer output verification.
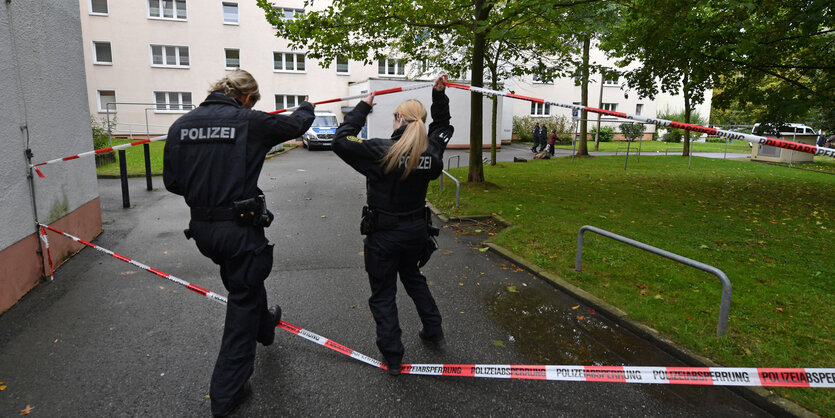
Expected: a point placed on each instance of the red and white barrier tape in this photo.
(94, 152)
(163, 137)
(360, 96)
(711, 376)
(716, 376)
(45, 240)
(301, 332)
(779, 143)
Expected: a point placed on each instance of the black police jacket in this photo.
(390, 192)
(214, 154)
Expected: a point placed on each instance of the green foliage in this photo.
(677, 135)
(100, 137)
(607, 133)
(631, 130)
(523, 127)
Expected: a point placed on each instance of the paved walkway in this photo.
(107, 339)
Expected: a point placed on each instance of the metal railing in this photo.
(666, 150)
(449, 161)
(457, 186)
(725, 303)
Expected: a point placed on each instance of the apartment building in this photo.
(150, 61)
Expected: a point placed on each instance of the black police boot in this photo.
(393, 366)
(243, 395)
(275, 312)
(431, 340)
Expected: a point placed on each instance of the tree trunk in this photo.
(476, 170)
(494, 84)
(583, 148)
(687, 109)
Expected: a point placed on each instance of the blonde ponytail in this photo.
(412, 143)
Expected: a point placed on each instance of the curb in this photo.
(760, 396)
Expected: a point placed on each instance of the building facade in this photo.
(45, 113)
(149, 61)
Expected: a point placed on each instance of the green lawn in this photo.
(135, 159)
(768, 228)
(674, 148)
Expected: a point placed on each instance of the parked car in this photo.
(320, 134)
(782, 130)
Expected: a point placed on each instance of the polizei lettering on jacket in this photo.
(208, 133)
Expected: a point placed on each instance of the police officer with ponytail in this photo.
(213, 157)
(396, 222)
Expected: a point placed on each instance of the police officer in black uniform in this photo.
(213, 157)
(396, 220)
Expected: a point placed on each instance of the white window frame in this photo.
(168, 102)
(284, 10)
(102, 109)
(226, 58)
(540, 109)
(295, 62)
(612, 107)
(237, 13)
(399, 67)
(611, 81)
(537, 79)
(347, 64)
(299, 98)
(161, 16)
(96, 60)
(90, 8)
(177, 55)
(639, 107)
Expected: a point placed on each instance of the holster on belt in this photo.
(253, 212)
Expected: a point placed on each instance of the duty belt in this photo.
(404, 216)
(213, 214)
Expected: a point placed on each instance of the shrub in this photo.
(674, 135)
(606, 133)
(523, 126)
(100, 137)
(631, 130)
(715, 139)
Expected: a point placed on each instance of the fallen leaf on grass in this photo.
(779, 309)
(658, 296)
(644, 292)
(27, 410)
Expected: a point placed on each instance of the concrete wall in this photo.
(45, 90)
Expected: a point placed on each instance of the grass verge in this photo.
(768, 228)
(674, 148)
(135, 159)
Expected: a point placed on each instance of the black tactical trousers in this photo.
(245, 259)
(388, 253)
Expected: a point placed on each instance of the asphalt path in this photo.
(108, 339)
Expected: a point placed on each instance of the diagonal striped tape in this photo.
(756, 139)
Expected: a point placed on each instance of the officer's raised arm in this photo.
(287, 127)
(440, 130)
(347, 146)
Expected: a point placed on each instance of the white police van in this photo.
(785, 131)
(320, 134)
